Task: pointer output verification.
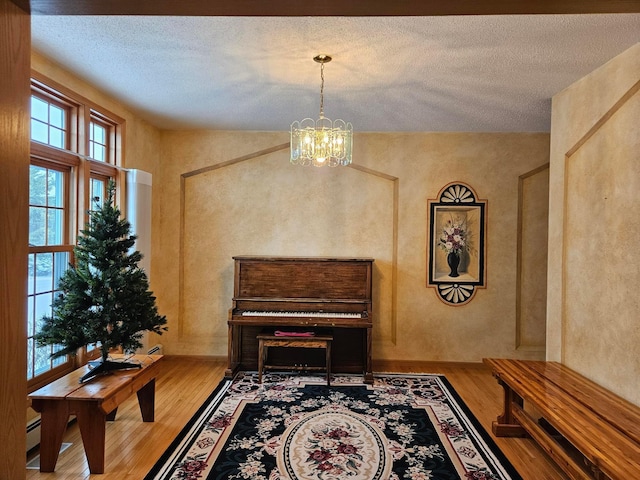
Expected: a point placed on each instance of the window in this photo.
(102, 135)
(97, 141)
(48, 122)
(69, 174)
(49, 255)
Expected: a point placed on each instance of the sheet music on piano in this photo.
(304, 292)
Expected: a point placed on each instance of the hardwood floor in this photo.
(132, 447)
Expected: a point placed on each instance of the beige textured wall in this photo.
(531, 295)
(594, 262)
(217, 198)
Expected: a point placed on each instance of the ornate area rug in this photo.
(295, 427)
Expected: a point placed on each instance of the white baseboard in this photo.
(33, 433)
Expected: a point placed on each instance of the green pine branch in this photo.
(105, 296)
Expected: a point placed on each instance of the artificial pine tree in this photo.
(105, 296)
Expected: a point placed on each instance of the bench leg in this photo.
(261, 354)
(328, 351)
(146, 400)
(92, 424)
(53, 417)
(506, 425)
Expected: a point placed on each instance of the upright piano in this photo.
(304, 293)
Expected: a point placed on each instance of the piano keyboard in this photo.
(301, 314)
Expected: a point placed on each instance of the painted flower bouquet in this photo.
(454, 237)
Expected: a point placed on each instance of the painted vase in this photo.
(453, 260)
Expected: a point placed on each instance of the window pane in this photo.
(42, 363)
(44, 272)
(56, 137)
(59, 360)
(42, 307)
(30, 313)
(39, 109)
(37, 185)
(56, 116)
(60, 264)
(31, 274)
(55, 227)
(55, 194)
(97, 133)
(97, 193)
(39, 131)
(97, 152)
(30, 351)
(37, 226)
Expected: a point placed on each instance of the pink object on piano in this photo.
(280, 333)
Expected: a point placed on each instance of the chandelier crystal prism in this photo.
(321, 142)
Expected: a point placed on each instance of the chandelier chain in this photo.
(322, 90)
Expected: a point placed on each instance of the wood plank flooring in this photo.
(132, 447)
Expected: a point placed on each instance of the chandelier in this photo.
(321, 142)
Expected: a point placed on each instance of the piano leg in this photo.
(232, 351)
(368, 373)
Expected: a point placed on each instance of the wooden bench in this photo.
(266, 340)
(587, 430)
(93, 403)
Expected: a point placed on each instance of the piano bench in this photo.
(266, 340)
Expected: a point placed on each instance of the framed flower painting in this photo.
(456, 243)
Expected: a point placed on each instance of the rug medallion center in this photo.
(332, 444)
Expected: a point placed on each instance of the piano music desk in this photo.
(266, 340)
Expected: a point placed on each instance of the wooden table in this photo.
(93, 403)
(266, 340)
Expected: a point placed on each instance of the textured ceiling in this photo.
(452, 73)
